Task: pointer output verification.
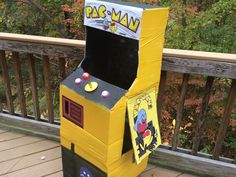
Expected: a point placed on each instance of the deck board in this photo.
(28, 156)
(27, 150)
(158, 171)
(57, 174)
(29, 161)
(39, 170)
(6, 136)
(186, 175)
(3, 131)
(21, 141)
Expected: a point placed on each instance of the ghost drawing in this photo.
(146, 138)
(84, 172)
(141, 122)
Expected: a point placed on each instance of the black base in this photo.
(75, 166)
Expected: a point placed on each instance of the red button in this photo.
(86, 76)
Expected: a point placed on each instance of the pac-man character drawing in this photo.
(113, 27)
(146, 133)
(105, 24)
(141, 122)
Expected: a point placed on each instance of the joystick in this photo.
(90, 86)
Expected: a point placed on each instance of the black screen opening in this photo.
(111, 58)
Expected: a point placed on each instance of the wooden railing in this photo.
(211, 65)
(188, 63)
(33, 46)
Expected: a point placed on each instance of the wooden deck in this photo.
(27, 156)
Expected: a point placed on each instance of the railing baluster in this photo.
(48, 91)
(161, 93)
(1, 106)
(225, 121)
(19, 84)
(1, 101)
(180, 109)
(6, 81)
(62, 68)
(202, 116)
(32, 74)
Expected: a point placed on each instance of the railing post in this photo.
(0, 106)
(19, 84)
(180, 109)
(202, 116)
(62, 69)
(47, 86)
(161, 93)
(34, 90)
(225, 121)
(6, 81)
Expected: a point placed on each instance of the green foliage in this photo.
(200, 25)
(210, 30)
(182, 138)
(206, 150)
(230, 141)
(44, 17)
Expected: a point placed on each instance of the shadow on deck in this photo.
(27, 156)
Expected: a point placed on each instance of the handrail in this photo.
(81, 44)
(190, 54)
(42, 40)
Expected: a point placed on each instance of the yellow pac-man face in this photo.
(113, 27)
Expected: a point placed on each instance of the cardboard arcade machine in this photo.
(109, 122)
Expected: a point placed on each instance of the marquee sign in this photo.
(115, 18)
